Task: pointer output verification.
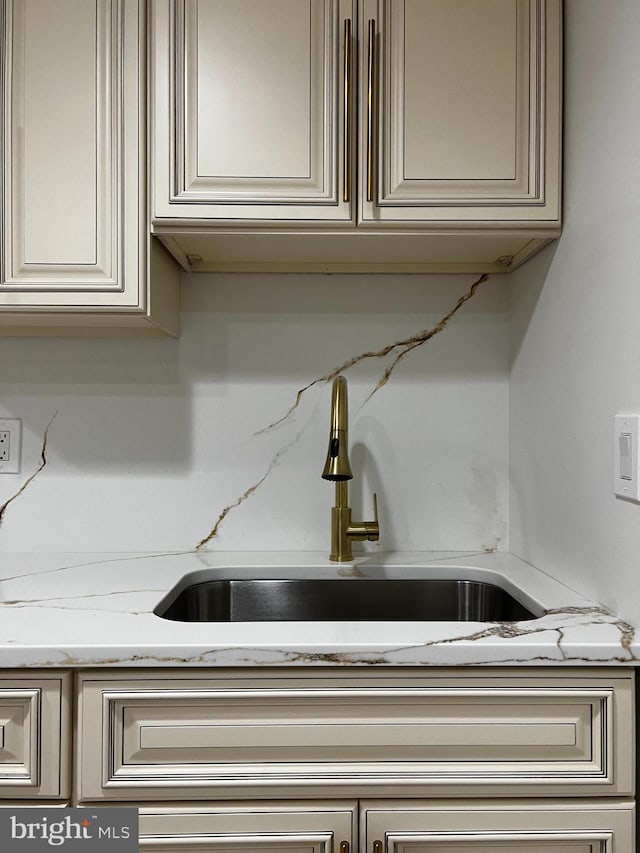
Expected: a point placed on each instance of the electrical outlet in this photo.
(10, 445)
(5, 444)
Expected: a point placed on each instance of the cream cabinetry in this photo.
(75, 250)
(535, 828)
(392, 734)
(257, 827)
(391, 761)
(400, 826)
(35, 735)
(434, 124)
(467, 112)
(388, 826)
(333, 761)
(248, 123)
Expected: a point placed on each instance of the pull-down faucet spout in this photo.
(338, 469)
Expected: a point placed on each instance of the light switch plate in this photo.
(10, 445)
(626, 467)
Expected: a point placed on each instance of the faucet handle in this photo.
(369, 530)
(373, 527)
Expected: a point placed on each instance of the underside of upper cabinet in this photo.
(355, 135)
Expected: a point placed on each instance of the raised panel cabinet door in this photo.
(460, 112)
(250, 109)
(35, 736)
(74, 241)
(70, 149)
(498, 827)
(230, 733)
(313, 827)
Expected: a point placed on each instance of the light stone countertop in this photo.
(96, 610)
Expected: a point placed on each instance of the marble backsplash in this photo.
(153, 440)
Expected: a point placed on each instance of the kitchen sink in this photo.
(343, 599)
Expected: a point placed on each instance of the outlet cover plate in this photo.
(13, 426)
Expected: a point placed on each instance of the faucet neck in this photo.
(339, 405)
(337, 466)
(342, 494)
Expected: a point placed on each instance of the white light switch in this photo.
(626, 472)
(626, 455)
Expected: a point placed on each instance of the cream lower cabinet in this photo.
(315, 827)
(414, 135)
(507, 827)
(390, 827)
(75, 252)
(384, 761)
(35, 736)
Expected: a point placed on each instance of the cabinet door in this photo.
(35, 735)
(223, 734)
(499, 827)
(462, 125)
(314, 827)
(250, 109)
(73, 231)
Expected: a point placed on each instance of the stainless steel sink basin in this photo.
(343, 599)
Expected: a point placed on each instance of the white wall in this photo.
(575, 333)
(154, 438)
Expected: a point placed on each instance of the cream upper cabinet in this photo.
(249, 119)
(75, 248)
(459, 106)
(434, 124)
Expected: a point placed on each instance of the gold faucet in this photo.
(338, 469)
